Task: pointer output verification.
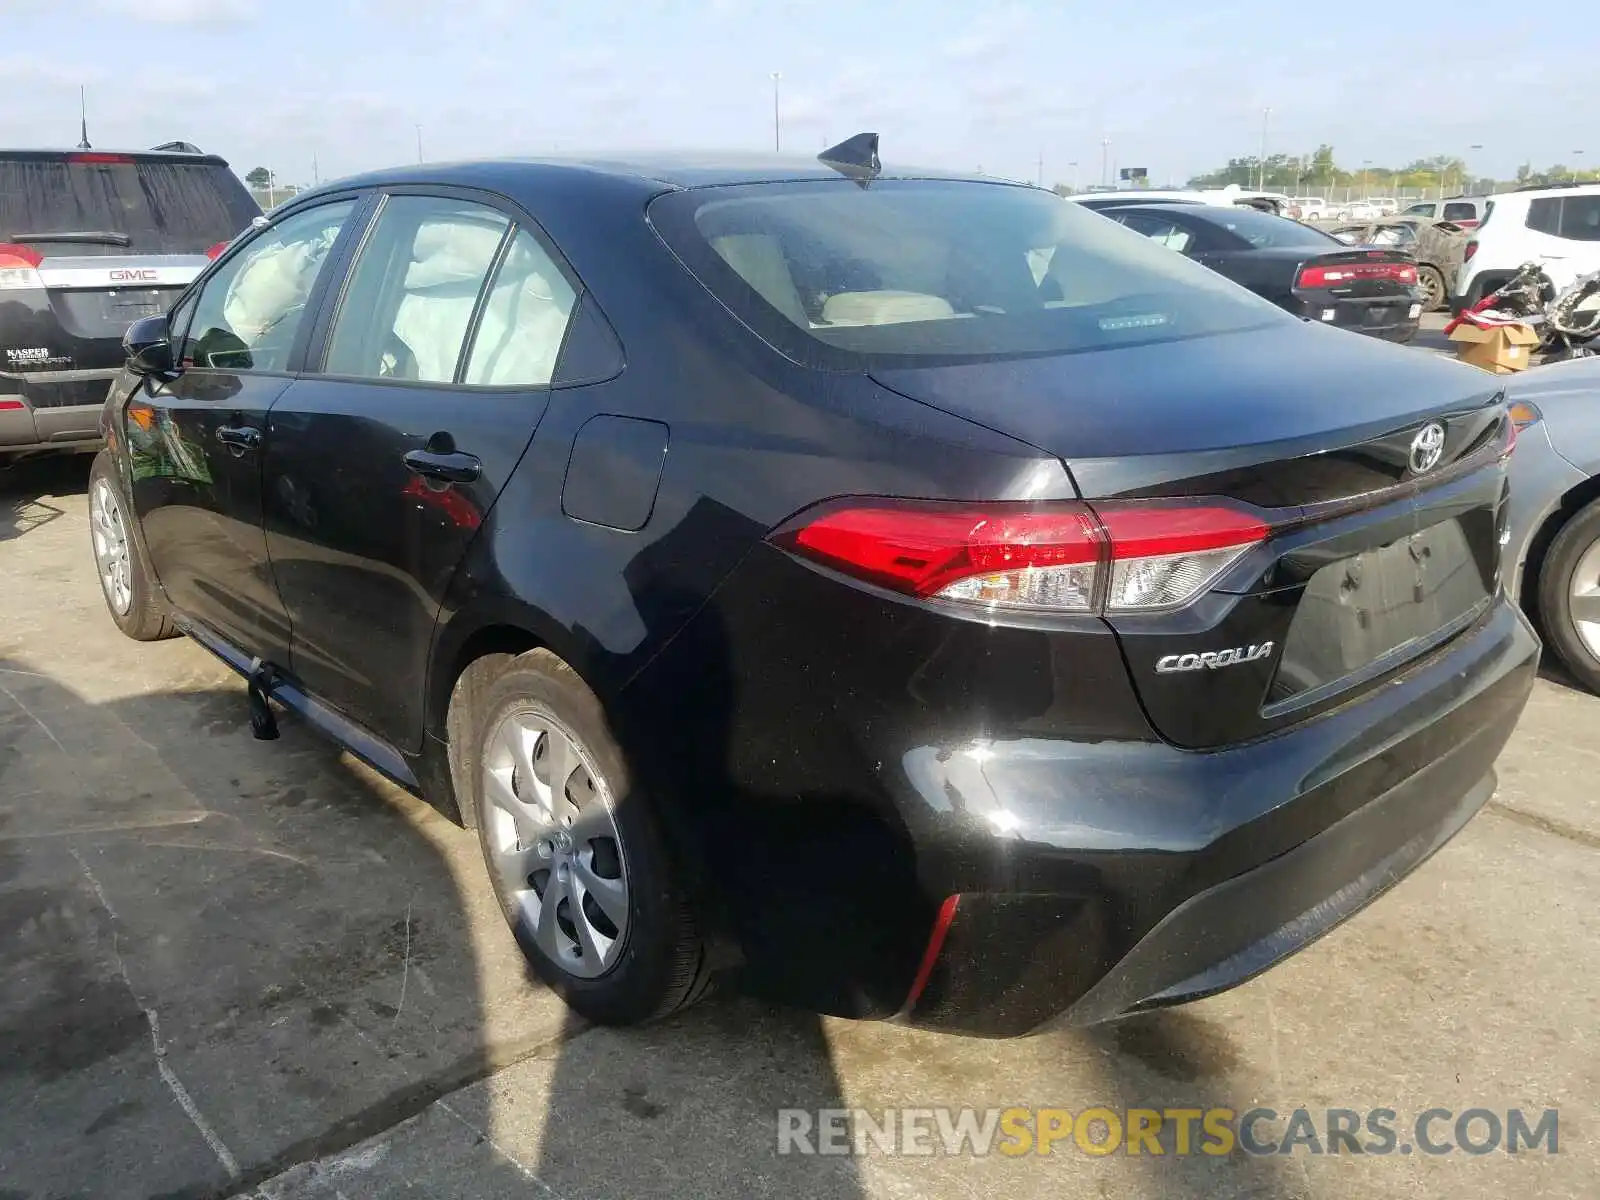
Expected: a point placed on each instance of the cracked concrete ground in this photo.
(233, 968)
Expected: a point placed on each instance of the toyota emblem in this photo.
(1427, 448)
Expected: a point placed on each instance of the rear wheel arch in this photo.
(1570, 505)
(468, 656)
(1565, 542)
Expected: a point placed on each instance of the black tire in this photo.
(1577, 537)
(663, 965)
(1432, 282)
(146, 618)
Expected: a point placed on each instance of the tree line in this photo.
(1296, 172)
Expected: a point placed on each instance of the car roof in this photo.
(1115, 202)
(673, 171)
(51, 154)
(1206, 212)
(1554, 189)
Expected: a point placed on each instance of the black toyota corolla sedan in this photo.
(906, 595)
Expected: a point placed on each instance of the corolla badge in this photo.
(1210, 660)
(1427, 448)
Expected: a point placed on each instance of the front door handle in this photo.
(451, 467)
(239, 437)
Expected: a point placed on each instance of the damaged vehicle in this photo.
(1439, 247)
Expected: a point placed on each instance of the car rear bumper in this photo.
(1127, 877)
(1395, 320)
(52, 410)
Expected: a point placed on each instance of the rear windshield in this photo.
(158, 207)
(1265, 231)
(839, 276)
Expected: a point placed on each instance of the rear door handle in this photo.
(239, 437)
(452, 467)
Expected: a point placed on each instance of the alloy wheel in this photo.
(110, 537)
(1584, 598)
(553, 842)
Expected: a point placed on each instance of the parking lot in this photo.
(232, 967)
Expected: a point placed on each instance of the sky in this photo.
(1176, 86)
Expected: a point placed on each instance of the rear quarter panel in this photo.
(1553, 457)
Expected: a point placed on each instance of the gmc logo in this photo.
(134, 275)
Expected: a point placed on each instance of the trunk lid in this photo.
(1371, 563)
(1359, 273)
(95, 298)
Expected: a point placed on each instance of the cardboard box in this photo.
(1502, 349)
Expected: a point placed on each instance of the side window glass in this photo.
(1580, 218)
(248, 313)
(1544, 215)
(411, 295)
(524, 320)
(1170, 234)
(178, 319)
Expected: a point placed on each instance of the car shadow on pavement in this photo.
(222, 957)
(25, 488)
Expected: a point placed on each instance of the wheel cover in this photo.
(1583, 598)
(111, 548)
(553, 842)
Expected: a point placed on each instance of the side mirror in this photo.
(148, 346)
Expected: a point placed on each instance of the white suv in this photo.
(1556, 227)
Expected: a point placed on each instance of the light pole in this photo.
(1266, 120)
(777, 128)
(1072, 176)
(1365, 163)
(1041, 168)
(1466, 178)
(1105, 161)
(419, 143)
(1577, 169)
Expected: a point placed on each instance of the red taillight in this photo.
(1339, 274)
(1120, 556)
(13, 255)
(215, 252)
(1468, 251)
(19, 266)
(923, 550)
(96, 158)
(11, 405)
